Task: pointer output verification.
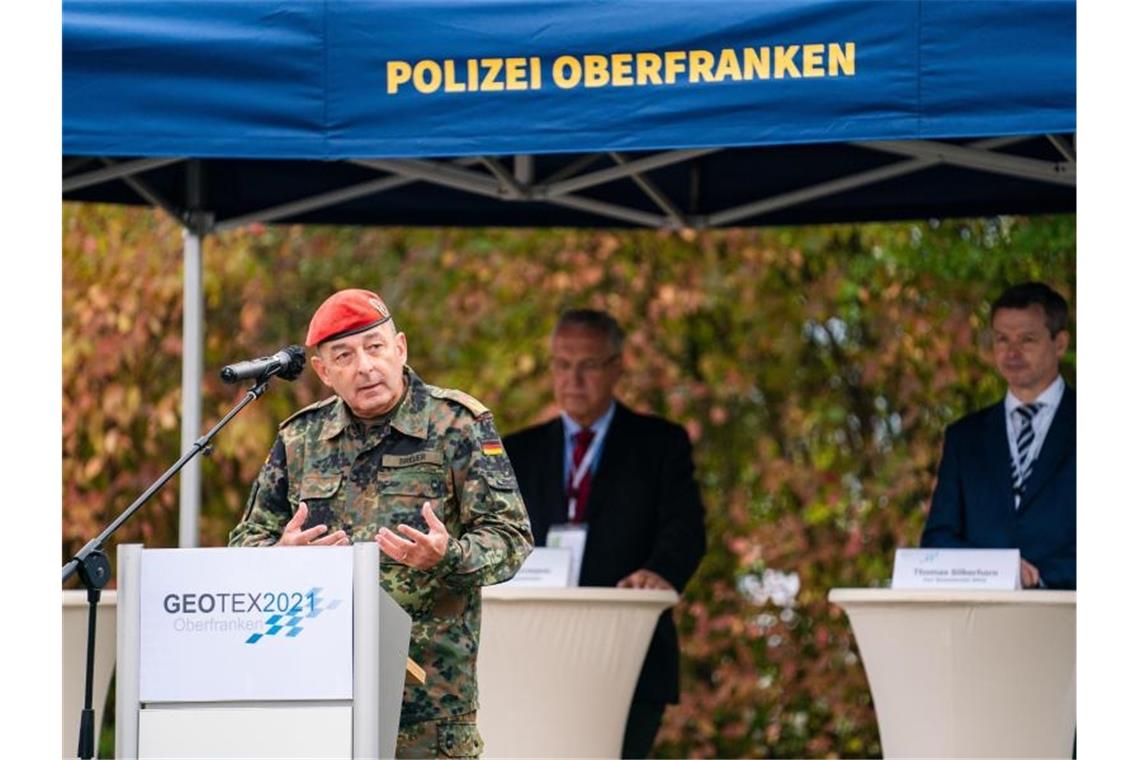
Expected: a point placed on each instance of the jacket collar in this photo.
(411, 416)
(1060, 440)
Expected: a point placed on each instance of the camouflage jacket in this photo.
(440, 445)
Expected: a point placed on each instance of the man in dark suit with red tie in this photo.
(1008, 476)
(627, 479)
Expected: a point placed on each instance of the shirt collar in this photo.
(600, 425)
(1050, 398)
(411, 417)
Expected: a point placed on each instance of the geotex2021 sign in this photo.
(246, 624)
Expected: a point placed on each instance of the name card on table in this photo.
(546, 567)
(246, 624)
(957, 569)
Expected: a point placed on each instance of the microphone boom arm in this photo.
(96, 544)
(95, 570)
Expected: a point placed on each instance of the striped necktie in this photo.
(1023, 466)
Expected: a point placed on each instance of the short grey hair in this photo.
(598, 321)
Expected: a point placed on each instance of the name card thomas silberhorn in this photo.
(957, 569)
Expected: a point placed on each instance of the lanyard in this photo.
(576, 475)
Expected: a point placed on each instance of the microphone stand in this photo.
(94, 568)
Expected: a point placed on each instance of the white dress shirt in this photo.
(1048, 401)
(570, 429)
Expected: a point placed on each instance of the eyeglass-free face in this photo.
(366, 370)
(1026, 355)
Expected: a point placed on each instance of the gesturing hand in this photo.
(419, 550)
(293, 535)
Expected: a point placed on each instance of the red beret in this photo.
(346, 312)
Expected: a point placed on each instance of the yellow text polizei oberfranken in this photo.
(671, 67)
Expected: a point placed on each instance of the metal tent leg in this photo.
(190, 479)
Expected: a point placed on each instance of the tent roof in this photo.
(777, 112)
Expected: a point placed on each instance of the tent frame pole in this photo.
(676, 217)
(1064, 146)
(612, 210)
(841, 184)
(197, 225)
(115, 171)
(323, 200)
(546, 191)
(1060, 173)
(147, 193)
(190, 479)
(516, 183)
(314, 202)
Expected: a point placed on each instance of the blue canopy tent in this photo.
(564, 113)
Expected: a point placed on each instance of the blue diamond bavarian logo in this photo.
(290, 622)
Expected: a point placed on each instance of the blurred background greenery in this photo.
(815, 369)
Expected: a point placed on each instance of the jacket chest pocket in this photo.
(423, 473)
(405, 483)
(323, 495)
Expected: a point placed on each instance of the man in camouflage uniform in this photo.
(421, 471)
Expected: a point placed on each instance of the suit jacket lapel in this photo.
(1059, 441)
(604, 482)
(553, 489)
(996, 454)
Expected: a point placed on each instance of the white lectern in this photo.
(267, 653)
(557, 667)
(968, 673)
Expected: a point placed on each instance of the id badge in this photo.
(570, 536)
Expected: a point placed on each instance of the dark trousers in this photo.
(641, 728)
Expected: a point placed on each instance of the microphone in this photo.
(286, 364)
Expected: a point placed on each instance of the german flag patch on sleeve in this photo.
(492, 448)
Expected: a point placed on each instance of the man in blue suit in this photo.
(1008, 474)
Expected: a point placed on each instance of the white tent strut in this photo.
(190, 477)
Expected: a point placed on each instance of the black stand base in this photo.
(94, 572)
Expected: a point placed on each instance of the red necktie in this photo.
(581, 442)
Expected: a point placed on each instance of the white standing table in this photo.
(968, 673)
(558, 667)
